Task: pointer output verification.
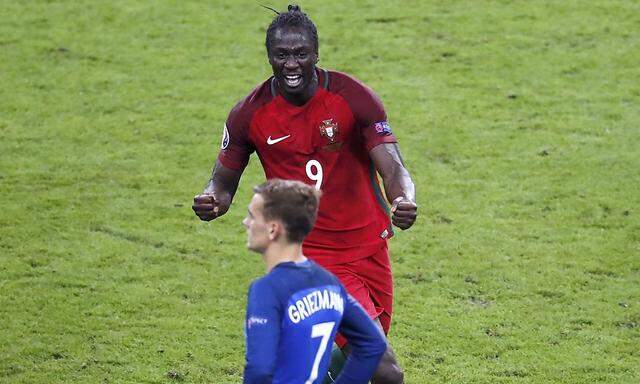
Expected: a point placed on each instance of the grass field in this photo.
(519, 120)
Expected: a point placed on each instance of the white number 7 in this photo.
(320, 330)
(314, 175)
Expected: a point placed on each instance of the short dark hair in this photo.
(292, 202)
(294, 17)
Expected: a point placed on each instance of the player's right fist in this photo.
(206, 207)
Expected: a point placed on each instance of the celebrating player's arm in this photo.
(384, 152)
(216, 198)
(398, 185)
(232, 159)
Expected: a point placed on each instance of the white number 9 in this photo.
(314, 172)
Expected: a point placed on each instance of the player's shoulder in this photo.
(280, 278)
(357, 94)
(362, 100)
(340, 82)
(265, 282)
(265, 290)
(295, 275)
(261, 285)
(245, 108)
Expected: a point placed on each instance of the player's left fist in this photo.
(403, 212)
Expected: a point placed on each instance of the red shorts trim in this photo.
(369, 281)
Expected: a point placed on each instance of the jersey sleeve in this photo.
(236, 146)
(368, 111)
(366, 340)
(262, 330)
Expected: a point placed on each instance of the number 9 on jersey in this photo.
(314, 172)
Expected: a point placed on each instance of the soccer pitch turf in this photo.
(519, 121)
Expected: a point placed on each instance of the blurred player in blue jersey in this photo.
(296, 309)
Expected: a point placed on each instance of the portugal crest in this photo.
(329, 129)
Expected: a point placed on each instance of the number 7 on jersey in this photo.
(320, 330)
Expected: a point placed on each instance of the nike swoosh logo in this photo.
(271, 141)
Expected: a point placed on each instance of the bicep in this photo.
(236, 145)
(372, 120)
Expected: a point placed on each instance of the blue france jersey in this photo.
(293, 315)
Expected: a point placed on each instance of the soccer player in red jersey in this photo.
(328, 130)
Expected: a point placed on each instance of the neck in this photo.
(306, 95)
(282, 252)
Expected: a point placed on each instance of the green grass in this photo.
(518, 120)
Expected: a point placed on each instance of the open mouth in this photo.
(293, 81)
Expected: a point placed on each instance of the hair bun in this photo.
(293, 8)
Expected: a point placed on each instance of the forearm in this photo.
(395, 177)
(223, 184)
(366, 342)
(399, 184)
(359, 368)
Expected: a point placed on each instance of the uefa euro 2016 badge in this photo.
(225, 138)
(382, 128)
(329, 129)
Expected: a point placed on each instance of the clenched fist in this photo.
(206, 207)
(403, 212)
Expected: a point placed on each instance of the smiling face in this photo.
(293, 58)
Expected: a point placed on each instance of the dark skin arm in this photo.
(217, 195)
(398, 185)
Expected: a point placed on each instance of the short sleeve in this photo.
(367, 109)
(236, 147)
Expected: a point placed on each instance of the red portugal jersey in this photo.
(324, 143)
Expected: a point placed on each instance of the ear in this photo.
(275, 230)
